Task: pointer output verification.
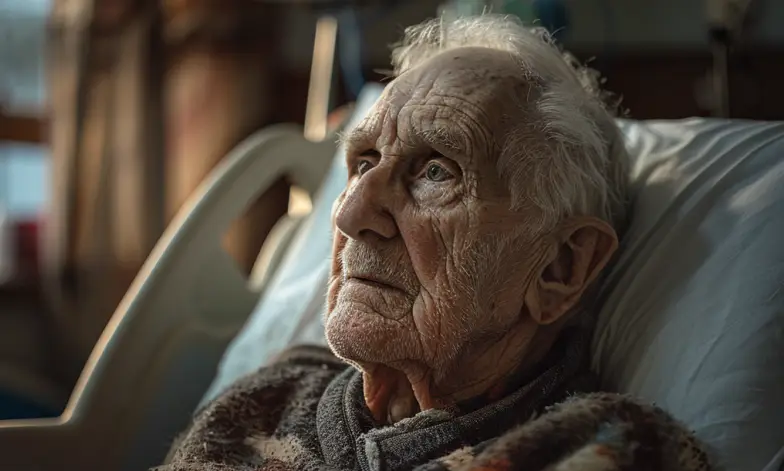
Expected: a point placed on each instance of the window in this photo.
(24, 163)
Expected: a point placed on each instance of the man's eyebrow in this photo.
(359, 138)
(354, 139)
(441, 137)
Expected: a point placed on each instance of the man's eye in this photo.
(437, 173)
(364, 166)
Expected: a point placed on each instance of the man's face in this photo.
(428, 254)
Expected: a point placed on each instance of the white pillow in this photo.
(694, 312)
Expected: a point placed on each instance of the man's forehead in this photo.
(461, 71)
(478, 83)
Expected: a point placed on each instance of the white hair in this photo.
(567, 156)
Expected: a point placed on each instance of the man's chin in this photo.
(367, 337)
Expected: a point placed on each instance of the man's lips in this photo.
(374, 282)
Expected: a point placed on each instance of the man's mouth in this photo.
(374, 282)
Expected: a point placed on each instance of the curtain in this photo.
(145, 97)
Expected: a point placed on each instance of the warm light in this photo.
(299, 202)
(320, 79)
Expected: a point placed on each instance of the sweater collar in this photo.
(351, 440)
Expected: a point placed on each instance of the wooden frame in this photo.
(22, 128)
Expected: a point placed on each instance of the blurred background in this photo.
(113, 111)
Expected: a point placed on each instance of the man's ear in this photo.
(580, 252)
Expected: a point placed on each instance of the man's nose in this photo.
(364, 212)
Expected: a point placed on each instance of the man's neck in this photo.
(480, 375)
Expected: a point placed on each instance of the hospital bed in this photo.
(692, 314)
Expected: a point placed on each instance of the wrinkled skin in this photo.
(439, 290)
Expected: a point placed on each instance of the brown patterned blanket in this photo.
(307, 412)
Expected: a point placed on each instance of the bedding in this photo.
(693, 312)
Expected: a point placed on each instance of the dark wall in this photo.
(653, 85)
(654, 53)
(665, 84)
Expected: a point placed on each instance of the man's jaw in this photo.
(401, 389)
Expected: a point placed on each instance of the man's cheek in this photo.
(426, 248)
(336, 270)
(338, 244)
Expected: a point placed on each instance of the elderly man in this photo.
(485, 198)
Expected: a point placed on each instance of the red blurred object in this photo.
(27, 246)
(23, 249)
